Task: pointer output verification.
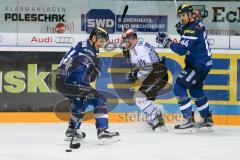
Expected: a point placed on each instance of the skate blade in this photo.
(185, 131)
(205, 129)
(74, 140)
(161, 129)
(103, 141)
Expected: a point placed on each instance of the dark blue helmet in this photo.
(185, 8)
(99, 33)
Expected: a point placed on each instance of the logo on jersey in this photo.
(189, 31)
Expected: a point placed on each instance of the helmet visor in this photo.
(102, 36)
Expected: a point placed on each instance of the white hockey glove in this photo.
(163, 39)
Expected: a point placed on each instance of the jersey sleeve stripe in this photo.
(189, 37)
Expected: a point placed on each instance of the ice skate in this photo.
(206, 125)
(105, 136)
(158, 124)
(188, 126)
(79, 136)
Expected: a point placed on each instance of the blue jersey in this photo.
(80, 64)
(195, 46)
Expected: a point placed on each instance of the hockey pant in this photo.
(81, 97)
(191, 79)
(149, 90)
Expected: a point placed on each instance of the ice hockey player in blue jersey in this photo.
(80, 66)
(194, 45)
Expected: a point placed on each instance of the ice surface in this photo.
(45, 142)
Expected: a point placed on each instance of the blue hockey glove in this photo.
(179, 28)
(125, 52)
(95, 71)
(163, 39)
(132, 76)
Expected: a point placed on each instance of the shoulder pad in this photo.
(192, 30)
(189, 32)
(140, 42)
(88, 52)
(139, 48)
(87, 48)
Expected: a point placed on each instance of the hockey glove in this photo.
(132, 76)
(94, 74)
(96, 70)
(98, 64)
(125, 52)
(179, 28)
(163, 39)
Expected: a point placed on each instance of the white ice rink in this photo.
(45, 142)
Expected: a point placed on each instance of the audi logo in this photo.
(64, 40)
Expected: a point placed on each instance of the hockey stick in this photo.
(121, 22)
(176, 7)
(75, 145)
(123, 16)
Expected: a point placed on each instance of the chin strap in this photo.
(188, 18)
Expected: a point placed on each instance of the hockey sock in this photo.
(203, 107)
(185, 107)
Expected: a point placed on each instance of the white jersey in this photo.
(142, 56)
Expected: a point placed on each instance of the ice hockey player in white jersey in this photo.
(151, 71)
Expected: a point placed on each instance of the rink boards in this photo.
(27, 97)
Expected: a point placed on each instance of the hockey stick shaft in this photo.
(122, 19)
(176, 7)
(76, 145)
(123, 16)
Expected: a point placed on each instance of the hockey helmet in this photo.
(99, 33)
(130, 33)
(185, 8)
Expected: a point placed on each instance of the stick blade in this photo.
(75, 146)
